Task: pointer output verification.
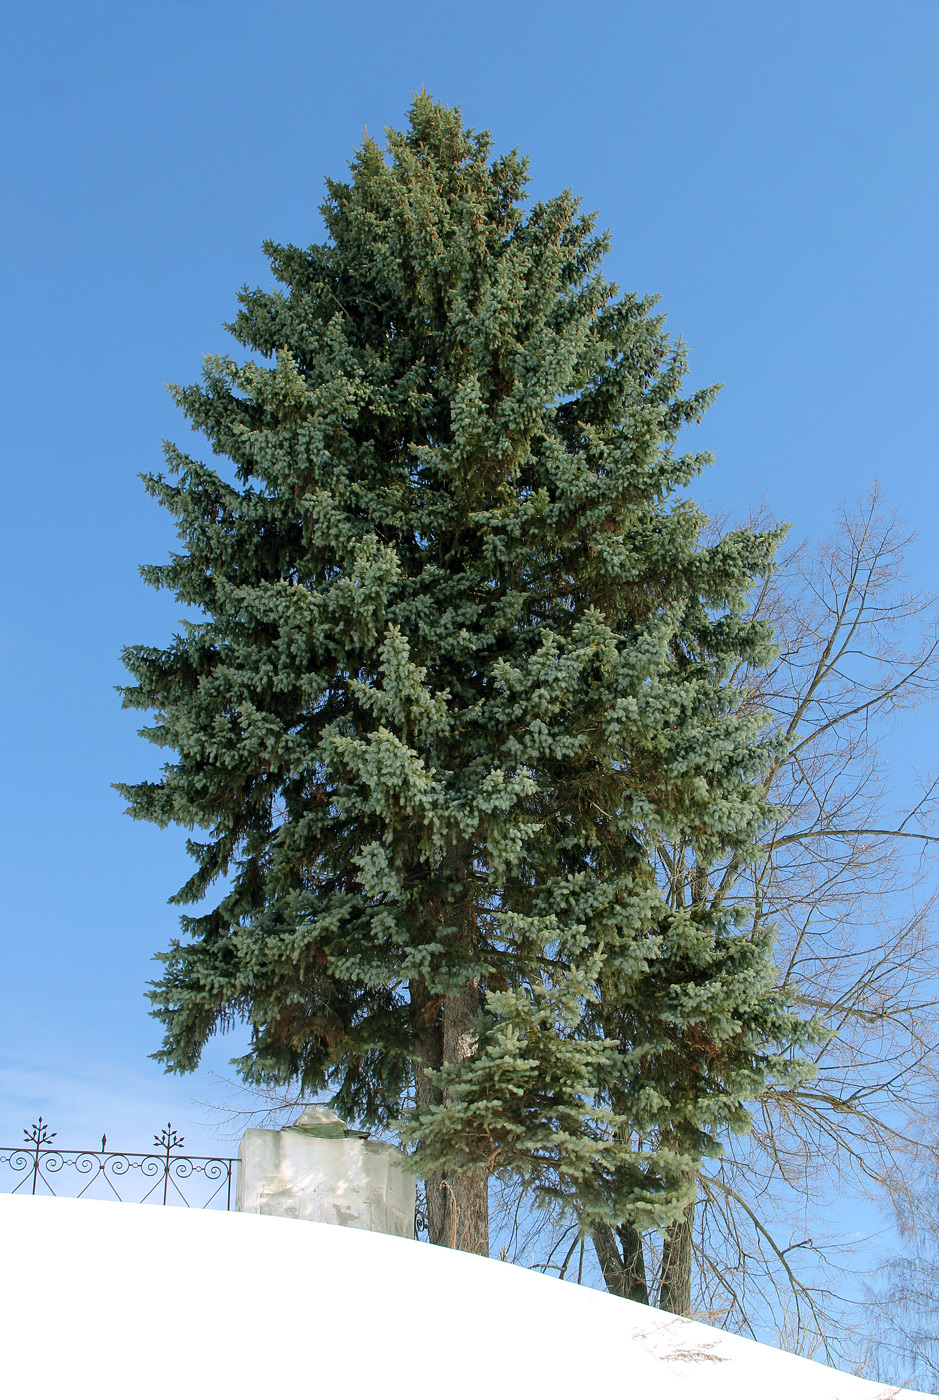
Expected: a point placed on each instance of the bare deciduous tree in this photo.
(904, 1301)
(844, 876)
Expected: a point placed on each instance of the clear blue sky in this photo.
(769, 168)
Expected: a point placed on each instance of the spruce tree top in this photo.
(463, 662)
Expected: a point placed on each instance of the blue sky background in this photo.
(769, 169)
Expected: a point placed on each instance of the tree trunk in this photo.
(623, 1263)
(457, 1202)
(458, 1211)
(675, 1285)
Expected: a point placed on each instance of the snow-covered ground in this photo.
(106, 1299)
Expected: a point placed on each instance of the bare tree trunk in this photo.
(457, 1202)
(623, 1263)
(675, 1284)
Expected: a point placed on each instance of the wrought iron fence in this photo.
(165, 1173)
(420, 1214)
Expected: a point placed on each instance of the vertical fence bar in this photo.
(40, 1137)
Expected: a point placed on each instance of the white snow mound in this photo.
(103, 1298)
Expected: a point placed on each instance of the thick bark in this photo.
(621, 1258)
(457, 1202)
(675, 1285)
(458, 1210)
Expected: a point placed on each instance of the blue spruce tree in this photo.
(462, 663)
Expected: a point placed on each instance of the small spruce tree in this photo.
(461, 663)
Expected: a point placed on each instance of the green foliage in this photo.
(464, 663)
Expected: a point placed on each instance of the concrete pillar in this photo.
(317, 1170)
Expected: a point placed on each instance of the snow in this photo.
(106, 1298)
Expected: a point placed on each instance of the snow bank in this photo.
(110, 1299)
